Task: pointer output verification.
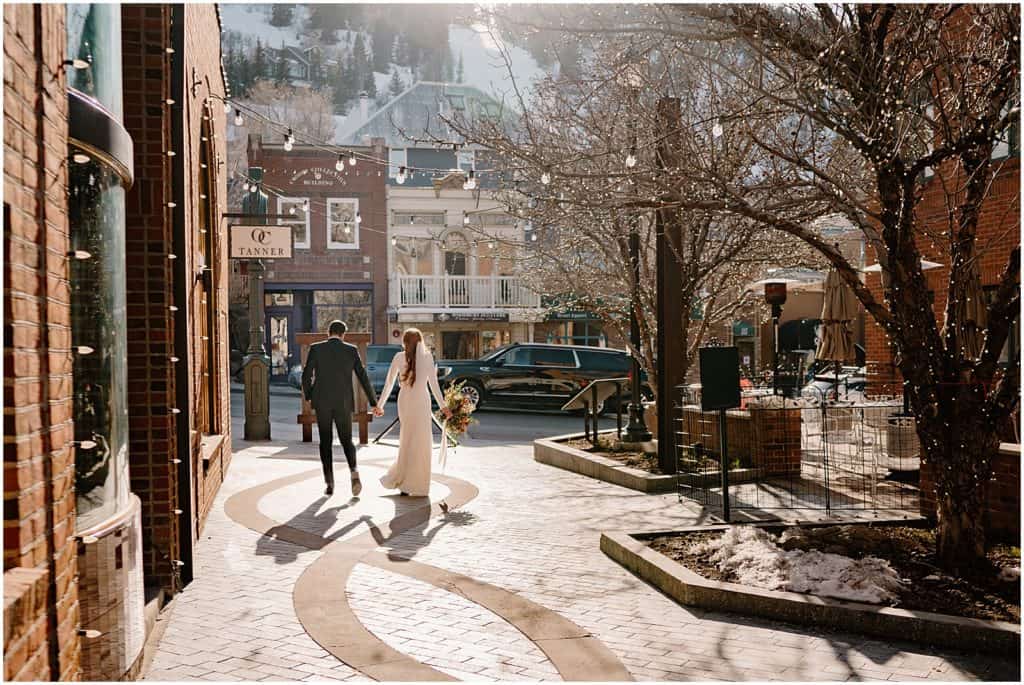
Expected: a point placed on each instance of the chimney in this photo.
(364, 107)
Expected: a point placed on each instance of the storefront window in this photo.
(96, 207)
(354, 307)
(94, 35)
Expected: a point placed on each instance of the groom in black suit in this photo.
(327, 383)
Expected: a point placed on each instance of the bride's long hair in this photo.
(410, 339)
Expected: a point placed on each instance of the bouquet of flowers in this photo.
(460, 409)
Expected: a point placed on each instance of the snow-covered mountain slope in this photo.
(483, 65)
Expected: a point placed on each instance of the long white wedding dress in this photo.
(411, 473)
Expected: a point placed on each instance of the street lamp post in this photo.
(636, 430)
(257, 363)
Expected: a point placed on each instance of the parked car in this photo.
(536, 376)
(378, 361)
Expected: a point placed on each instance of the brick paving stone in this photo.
(538, 538)
(436, 642)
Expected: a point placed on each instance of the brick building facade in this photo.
(339, 264)
(40, 589)
(116, 407)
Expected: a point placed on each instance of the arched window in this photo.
(456, 248)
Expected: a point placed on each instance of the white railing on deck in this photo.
(494, 292)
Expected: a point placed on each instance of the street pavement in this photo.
(510, 585)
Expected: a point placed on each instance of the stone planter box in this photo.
(692, 589)
(554, 452)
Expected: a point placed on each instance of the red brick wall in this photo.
(152, 276)
(150, 281)
(1002, 508)
(998, 234)
(202, 62)
(317, 264)
(39, 505)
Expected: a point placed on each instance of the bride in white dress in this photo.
(414, 368)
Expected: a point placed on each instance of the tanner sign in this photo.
(261, 242)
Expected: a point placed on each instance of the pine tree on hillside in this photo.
(281, 71)
(281, 14)
(460, 71)
(395, 85)
(316, 67)
(259, 61)
(370, 85)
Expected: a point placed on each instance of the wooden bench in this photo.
(362, 415)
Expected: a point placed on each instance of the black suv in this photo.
(536, 376)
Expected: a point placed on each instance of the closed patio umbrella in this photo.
(840, 308)
(971, 315)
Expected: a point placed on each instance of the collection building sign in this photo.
(261, 242)
(471, 316)
(317, 176)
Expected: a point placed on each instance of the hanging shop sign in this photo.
(467, 316)
(261, 242)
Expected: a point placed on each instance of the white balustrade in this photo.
(478, 292)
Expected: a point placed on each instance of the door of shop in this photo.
(459, 345)
(280, 343)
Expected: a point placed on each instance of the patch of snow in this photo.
(483, 64)
(1011, 574)
(754, 557)
(253, 21)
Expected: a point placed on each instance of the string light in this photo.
(465, 219)
(227, 107)
(717, 130)
(289, 141)
(359, 218)
(340, 164)
(400, 177)
(238, 117)
(630, 160)
(352, 159)
(394, 241)
(545, 178)
(305, 205)
(81, 158)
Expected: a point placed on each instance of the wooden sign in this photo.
(261, 242)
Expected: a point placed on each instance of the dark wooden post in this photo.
(670, 307)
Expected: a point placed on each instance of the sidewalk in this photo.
(283, 390)
(510, 585)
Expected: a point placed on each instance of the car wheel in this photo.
(474, 393)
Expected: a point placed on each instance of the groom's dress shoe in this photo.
(357, 486)
(329, 490)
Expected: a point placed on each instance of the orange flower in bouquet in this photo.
(460, 412)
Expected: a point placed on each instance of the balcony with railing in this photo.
(472, 292)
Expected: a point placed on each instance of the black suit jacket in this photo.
(327, 376)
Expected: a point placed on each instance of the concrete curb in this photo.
(691, 589)
(549, 451)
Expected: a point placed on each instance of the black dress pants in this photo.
(328, 418)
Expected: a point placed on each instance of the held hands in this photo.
(377, 411)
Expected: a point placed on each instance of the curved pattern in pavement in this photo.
(323, 608)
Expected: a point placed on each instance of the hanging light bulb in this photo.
(545, 178)
(490, 244)
(465, 219)
(305, 205)
(289, 141)
(238, 117)
(351, 159)
(227, 107)
(359, 218)
(340, 164)
(81, 158)
(400, 177)
(394, 241)
(253, 188)
(533, 237)
(717, 130)
(291, 210)
(631, 159)
(245, 186)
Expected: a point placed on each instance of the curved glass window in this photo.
(96, 206)
(94, 35)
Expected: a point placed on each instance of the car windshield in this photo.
(493, 354)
